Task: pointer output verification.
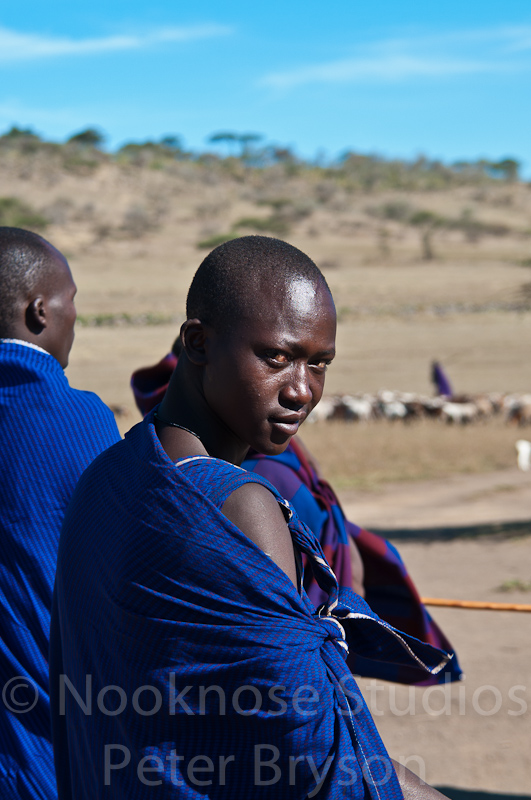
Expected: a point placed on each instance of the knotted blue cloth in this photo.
(185, 663)
(49, 433)
(389, 589)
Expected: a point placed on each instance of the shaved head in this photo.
(232, 280)
(26, 259)
(36, 293)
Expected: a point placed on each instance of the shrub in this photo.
(397, 210)
(272, 224)
(91, 137)
(214, 241)
(156, 155)
(427, 221)
(17, 214)
(288, 210)
(80, 163)
(276, 203)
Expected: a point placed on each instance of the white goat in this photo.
(325, 409)
(459, 412)
(357, 407)
(524, 454)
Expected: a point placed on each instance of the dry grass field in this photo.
(365, 456)
(131, 236)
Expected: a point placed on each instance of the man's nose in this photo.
(298, 389)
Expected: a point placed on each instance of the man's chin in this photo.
(276, 447)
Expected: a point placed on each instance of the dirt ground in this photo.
(460, 500)
(474, 735)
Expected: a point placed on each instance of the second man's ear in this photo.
(36, 319)
(194, 338)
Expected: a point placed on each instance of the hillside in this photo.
(424, 262)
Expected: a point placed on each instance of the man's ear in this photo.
(194, 339)
(36, 317)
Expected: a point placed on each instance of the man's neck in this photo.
(26, 344)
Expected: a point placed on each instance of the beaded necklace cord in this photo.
(175, 425)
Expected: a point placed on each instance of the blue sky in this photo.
(450, 79)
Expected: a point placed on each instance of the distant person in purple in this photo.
(440, 381)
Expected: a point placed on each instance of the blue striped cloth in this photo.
(49, 433)
(189, 663)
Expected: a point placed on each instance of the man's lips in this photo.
(288, 423)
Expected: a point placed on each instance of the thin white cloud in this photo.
(427, 56)
(388, 68)
(16, 47)
(506, 36)
(518, 39)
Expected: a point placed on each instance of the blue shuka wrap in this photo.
(49, 433)
(185, 663)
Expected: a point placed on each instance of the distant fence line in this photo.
(123, 319)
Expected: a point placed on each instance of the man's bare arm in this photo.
(413, 788)
(254, 510)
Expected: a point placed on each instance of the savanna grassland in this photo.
(424, 261)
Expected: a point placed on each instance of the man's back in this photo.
(49, 433)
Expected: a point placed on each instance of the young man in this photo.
(361, 560)
(49, 433)
(186, 658)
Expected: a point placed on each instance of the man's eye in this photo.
(322, 364)
(279, 358)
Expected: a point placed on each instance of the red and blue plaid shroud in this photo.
(389, 590)
(216, 676)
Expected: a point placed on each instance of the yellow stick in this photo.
(477, 604)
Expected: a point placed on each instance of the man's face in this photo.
(264, 377)
(60, 308)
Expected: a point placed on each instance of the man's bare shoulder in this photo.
(257, 513)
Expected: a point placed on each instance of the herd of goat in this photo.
(406, 406)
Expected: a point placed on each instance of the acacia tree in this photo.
(244, 140)
(90, 137)
(172, 142)
(508, 168)
(427, 222)
(20, 133)
(228, 137)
